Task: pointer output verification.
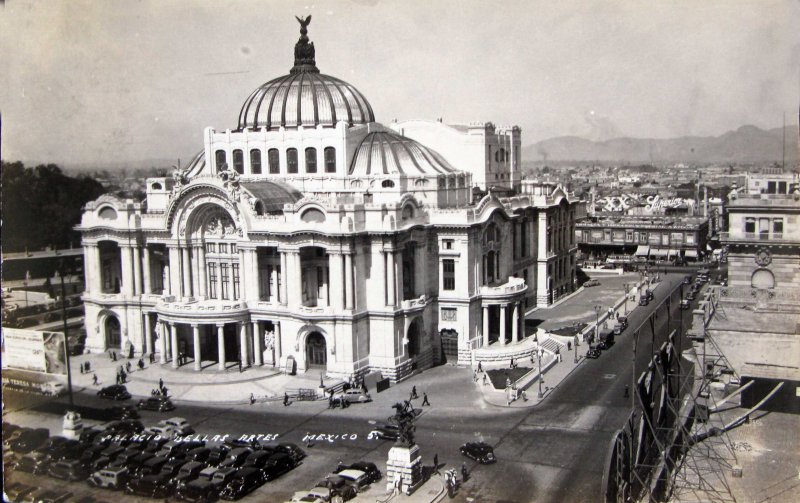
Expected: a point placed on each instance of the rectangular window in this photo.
(449, 314)
(273, 158)
(677, 237)
(777, 228)
(223, 248)
(212, 280)
(233, 248)
(221, 160)
(255, 161)
(690, 239)
(763, 228)
(749, 226)
(449, 274)
(223, 278)
(107, 275)
(238, 161)
(447, 244)
(311, 160)
(235, 273)
(291, 160)
(628, 236)
(772, 187)
(330, 160)
(211, 247)
(782, 188)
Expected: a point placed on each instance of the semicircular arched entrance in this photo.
(316, 351)
(112, 331)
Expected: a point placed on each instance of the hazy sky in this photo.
(118, 81)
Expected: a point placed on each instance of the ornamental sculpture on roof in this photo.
(304, 50)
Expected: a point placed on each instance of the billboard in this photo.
(34, 350)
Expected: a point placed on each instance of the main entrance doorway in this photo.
(113, 333)
(316, 350)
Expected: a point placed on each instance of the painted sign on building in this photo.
(34, 350)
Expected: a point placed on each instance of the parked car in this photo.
(198, 491)
(244, 481)
(114, 392)
(151, 486)
(479, 451)
(222, 476)
(592, 282)
(686, 304)
(110, 478)
(217, 454)
(277, 465)
(162, 431)
(122, 412)
(29, 440)
(236, 457)
(72, 470)
(35, 462)
(178, 424)
(198, 454)
(17, 491)
(691, 295)
(353, 395)
(371, 469)
(643, 300)
(649, 294)
(135, 463)
(156, 403)
(358, 478)
(187, 473)
(687, 280)
(296, 453)
(124, 427)
(593, 353)
(50, 496)
(257, 459)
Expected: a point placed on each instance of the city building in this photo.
(313, 237)
(652, 237)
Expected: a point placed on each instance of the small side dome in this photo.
(385, 153)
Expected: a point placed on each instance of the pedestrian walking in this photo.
(475, 376)
(94, 379)
(252, 399)
(512, 364)
(484, 379)
(141, 364)
(480, 368)
(113, 356)
(425, 399)
(88, 367)
(160, 383)
(123, 377)
(569, 345)
(464, 472)
(128, 367)
(436, 463)
(82, 368)
(285, 399)
(414, 392)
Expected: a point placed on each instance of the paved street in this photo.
(552, 452)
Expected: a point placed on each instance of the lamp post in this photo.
(597, 310)
(575, 346)
(539, 356)
(25, 284)
(62, 270)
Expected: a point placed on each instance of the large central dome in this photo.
(305, 97)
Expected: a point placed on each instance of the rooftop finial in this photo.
(304, 50)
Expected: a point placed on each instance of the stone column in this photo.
(296, 278)
(173, 330)
(336, 282)
(137, 271)
(349, 293)
(391, 284)
(221, 346)
(148, 334)
(146, 270)
(97, 274)
(258, 350)
(282, 279)
(244, 277)
(88, 268)
(515, 324)
(274, 290)
(163, 336)
(244, 357)
(174, 271)
(186, 273)
(195, 271)
(398, 274)
(419, 270)
(486, 326)
(503, 325)
(253, 276)
(201, 266)
(278, 344)
(198, 357)
(127, 270)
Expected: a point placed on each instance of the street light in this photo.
(597, 310)
(539, 352)
(575, 345)
(62, 271)
(627, 286)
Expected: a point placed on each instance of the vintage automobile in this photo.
(592, 282)
(479, 451)
(158, 404)
(114, 392)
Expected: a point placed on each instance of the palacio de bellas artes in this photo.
(309, 235)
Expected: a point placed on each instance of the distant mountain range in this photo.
(748, 144)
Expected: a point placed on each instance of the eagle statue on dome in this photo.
(304, 52)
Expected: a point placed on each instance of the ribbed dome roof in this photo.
(305, 97)
(387, 153)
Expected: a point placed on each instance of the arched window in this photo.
(313, 215)
(273, 158)
(408, 212)
(387, 184)
(762, 278)
(291, 160)
(255, 161)
(311, 160)
(221, 160)
(259, 208)
(330, 160)
(238, 161)
(156, 186)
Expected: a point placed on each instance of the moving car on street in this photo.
(114, 392)
(158, 404)
(479, 451)
(592, 282)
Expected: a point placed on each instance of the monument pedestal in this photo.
(72, 426)
(404, 468)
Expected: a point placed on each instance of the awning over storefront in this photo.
(642, 251)
(658, 252)
(690, 254)
(672, 253)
